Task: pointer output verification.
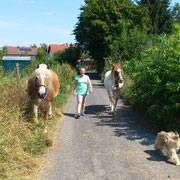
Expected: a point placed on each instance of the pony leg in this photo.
(49, 110)
(115, 105)
(35, 112)
(112, 106)
(110, 103)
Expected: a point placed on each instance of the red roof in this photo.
(57, 47)
(19, 51)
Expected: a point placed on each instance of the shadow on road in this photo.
(69, 114)
(156, 155)
(126, 123)
(95, 109)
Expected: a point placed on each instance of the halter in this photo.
(37, 87)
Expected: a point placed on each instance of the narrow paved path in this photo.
(100, 146)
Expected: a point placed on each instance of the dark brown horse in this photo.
(43, 87)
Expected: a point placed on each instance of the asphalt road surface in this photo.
(100, 146)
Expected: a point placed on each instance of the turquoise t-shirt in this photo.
(82, 85)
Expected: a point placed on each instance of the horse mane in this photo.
(114, 68)
(43, 69)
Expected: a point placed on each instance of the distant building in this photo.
(9, 62)
(21, 51)
(21, 55)
(54, 48)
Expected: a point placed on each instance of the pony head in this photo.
(42, 77)
(117, 75)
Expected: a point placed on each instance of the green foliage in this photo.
(160, 15)
(66, 78)
(42, 53)
(176, 13)
(2, 53)
(29, 69)
(69, 56)
(104, 24)
(175, 37)
(156, 84)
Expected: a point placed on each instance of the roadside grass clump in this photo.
(66, 78)
(155, 91)
(15, 131)
(22, 141)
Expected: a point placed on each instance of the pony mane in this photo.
(42, 69)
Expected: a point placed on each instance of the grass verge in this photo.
(22, 142)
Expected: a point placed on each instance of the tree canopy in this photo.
(105, 27)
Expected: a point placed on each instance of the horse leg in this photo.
(35, 113)
(49, 110)
(115, 105)
(111, 101)
(110, 104)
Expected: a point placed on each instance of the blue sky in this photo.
(27, 22)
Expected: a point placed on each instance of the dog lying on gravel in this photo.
(168, 143)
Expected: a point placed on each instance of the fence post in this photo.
(17, 72)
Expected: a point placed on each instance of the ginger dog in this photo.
(168, 143)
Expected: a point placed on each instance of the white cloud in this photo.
(50, 13)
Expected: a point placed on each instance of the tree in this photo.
(102, 23)
(2, 53)
(160, 15)
(44, 46)
(176, 13)
(42, 53)
(69, 55)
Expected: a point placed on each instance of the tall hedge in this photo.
(156, 84)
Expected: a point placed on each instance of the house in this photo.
(21, 51)
(54, 48)
(9, 62)
(21, 55)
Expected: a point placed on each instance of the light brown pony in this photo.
(43, 87)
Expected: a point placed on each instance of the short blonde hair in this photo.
(82, 69)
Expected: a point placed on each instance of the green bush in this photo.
(156, 84)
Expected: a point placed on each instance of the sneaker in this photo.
(82, 114)
(77, 116)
